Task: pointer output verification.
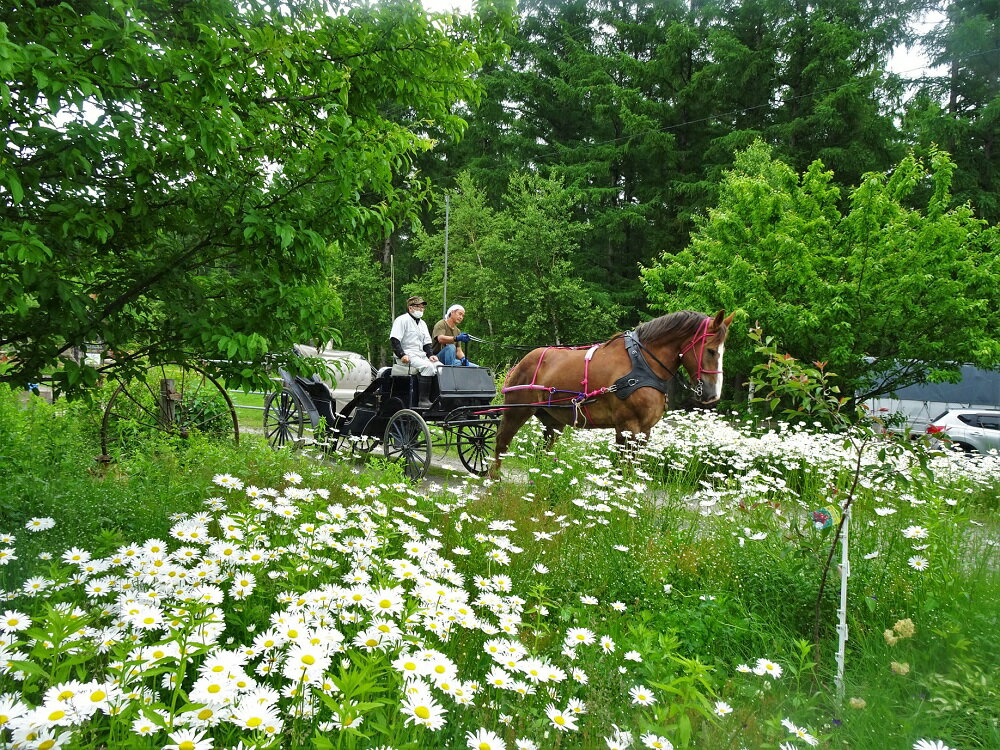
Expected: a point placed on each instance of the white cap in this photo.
(453, 308)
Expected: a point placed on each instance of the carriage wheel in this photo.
(172, 399)
(363, 445)
(476, 443)
(408, 439)
(284, 418)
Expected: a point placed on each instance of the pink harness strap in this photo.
(576, 398)
(579, 400)
(586, 366)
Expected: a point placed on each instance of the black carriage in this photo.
(386, 413)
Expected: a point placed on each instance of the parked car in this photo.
(968, 429)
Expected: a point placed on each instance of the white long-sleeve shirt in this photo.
(412, 334)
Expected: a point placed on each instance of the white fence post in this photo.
(845, 573)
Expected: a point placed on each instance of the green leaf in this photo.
(16, 191)
(29, 667)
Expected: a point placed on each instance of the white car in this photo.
(971, 430)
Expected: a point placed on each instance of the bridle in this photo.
(700, 339)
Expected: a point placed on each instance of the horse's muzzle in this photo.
(708, 393)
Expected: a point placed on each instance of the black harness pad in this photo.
(640, 376)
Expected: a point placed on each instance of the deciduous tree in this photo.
(173, 174)
(512, 269)
(884, 292)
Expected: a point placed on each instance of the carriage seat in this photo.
(400, 370)
(321, 396)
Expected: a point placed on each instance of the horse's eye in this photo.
(713, 352)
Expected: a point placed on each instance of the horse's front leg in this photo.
(629, 437)
(511, 421)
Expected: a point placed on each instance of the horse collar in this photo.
(641, 375)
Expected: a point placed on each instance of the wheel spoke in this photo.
(283, 421)
(156, 417)
(124, 418)
(473, 446)
(152, 393)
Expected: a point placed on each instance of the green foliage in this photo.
(178, 179)
(639, 106)
(513, 268)
(804, 391)
(958, 108)
(731, 597)
(917, 289)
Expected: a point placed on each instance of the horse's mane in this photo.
(673, 325)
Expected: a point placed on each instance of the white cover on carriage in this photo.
(346, 372)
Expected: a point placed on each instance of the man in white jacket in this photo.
(412, 346)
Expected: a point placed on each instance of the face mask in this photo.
(418, 314)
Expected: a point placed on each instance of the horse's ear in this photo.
(729, 321)
(718, 320)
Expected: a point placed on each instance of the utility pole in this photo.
(447, 207)
(392, 285)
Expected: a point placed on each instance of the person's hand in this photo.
(463, 337)
(405, 359)
(464, 361)
(433, 358)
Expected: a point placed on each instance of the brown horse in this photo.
(581, 386)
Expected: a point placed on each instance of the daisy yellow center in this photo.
(214, 688)
(205, 713)
(65, 695)
(47, 745)
(159, 654)
(371, 643)
(559, 720)
(98, 695)
(149, 620)
(217, 668)
(186, 746)
(410, 666)
(484, 746)
(293, 633)
(13, 621)
(56, 715)
(383, 628)
(308, 659)
(385, 604)
(423, 712)
(439, 669)
(254, 722)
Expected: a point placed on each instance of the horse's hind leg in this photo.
(553, 429)
(513, 419)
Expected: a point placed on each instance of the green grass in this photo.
(728, 601)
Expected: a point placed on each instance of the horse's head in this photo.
(701, 356)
